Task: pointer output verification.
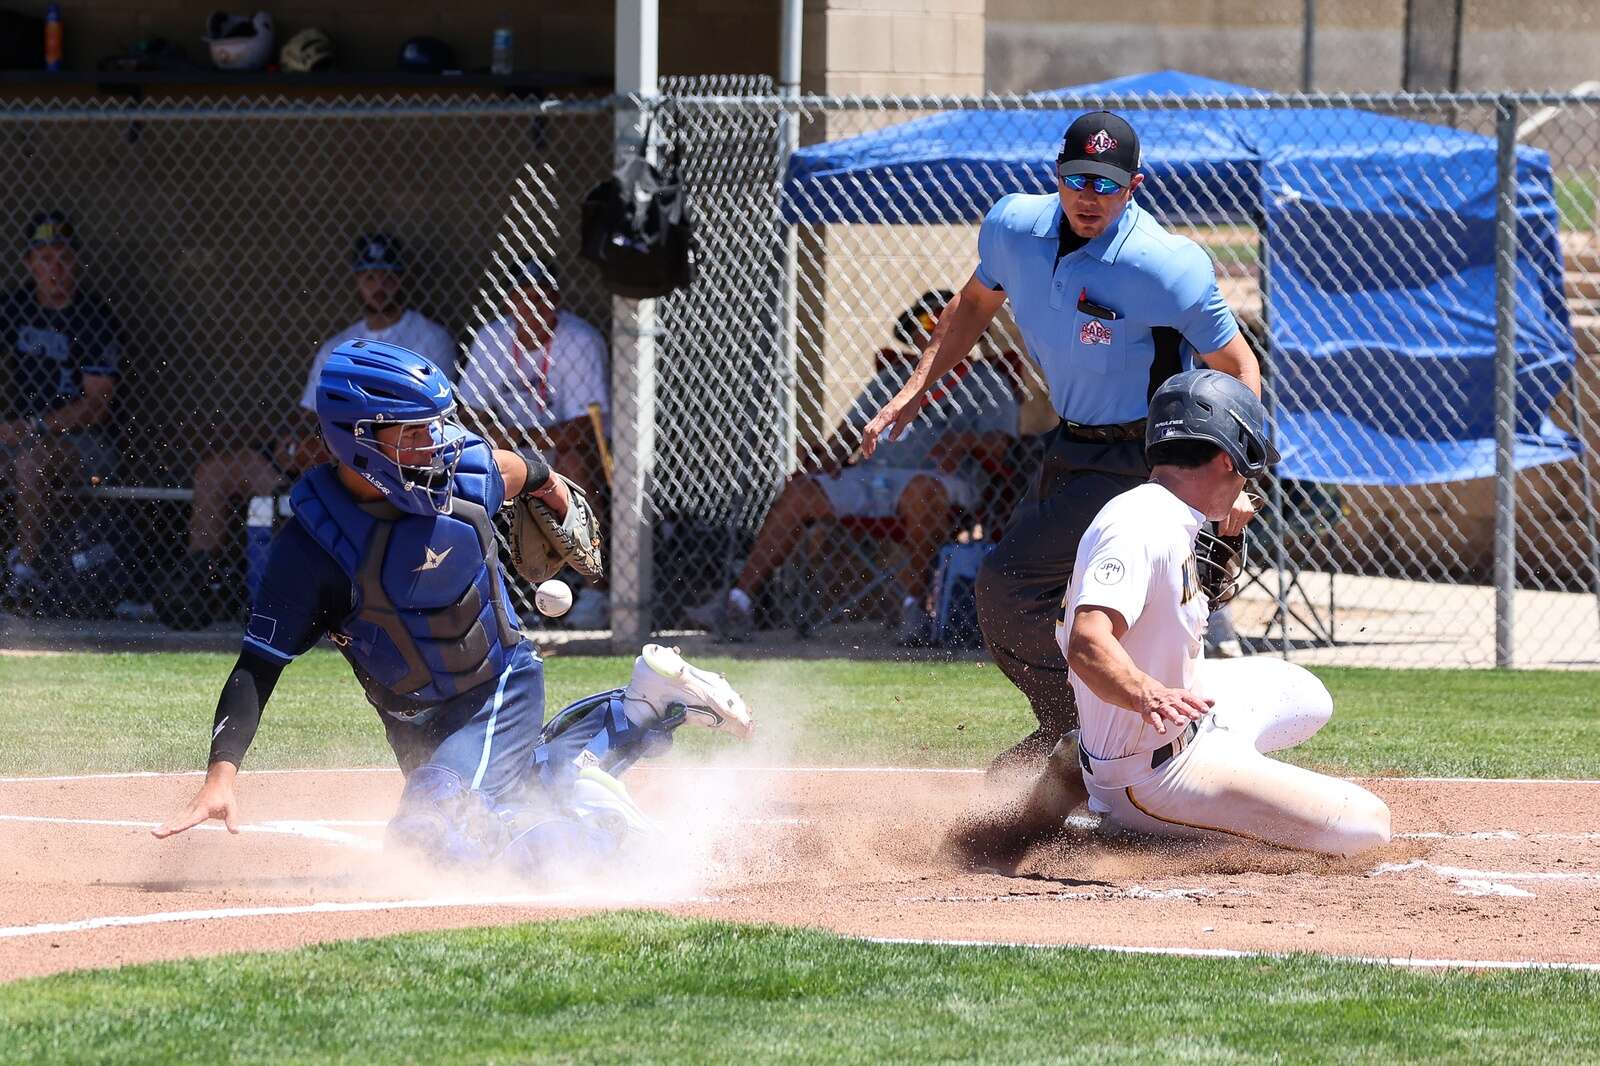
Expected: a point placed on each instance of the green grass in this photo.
(86, 713)
(647, 988)
(1575, 198)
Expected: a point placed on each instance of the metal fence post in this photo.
(788, 141)
(1505, 381)
(633, 359)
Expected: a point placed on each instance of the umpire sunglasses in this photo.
(1080, 182)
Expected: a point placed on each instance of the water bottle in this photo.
(500, 53)
(53, 34)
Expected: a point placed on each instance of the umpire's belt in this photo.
(1136, 768)
(1123, 431)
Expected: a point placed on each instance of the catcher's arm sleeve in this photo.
(244, 697)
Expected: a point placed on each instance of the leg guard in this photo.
(549, 844)
(444, 821)
(596, 731)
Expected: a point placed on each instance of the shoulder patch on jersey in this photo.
(1108, 571)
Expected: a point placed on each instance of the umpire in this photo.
(1110, 305)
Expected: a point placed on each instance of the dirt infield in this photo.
(1481, 871)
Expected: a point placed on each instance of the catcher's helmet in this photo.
(306, 51)
(366, 385)
(239, 43)
(1211, 406)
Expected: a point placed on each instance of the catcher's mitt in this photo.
(541, 545)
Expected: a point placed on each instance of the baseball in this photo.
(553, 598)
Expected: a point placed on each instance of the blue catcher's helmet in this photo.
(367, 385)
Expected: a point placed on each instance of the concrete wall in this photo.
(1040, 44)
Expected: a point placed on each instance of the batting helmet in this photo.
(239, 43)
(1209, 405)
(426, 55)
(367, 385)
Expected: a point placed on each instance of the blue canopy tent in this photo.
(1378, 241)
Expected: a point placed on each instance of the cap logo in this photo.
(376, 250)
(1101, 143)
(1094, 332)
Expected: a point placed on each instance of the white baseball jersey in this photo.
(539, 388)
(412, 331)
(1137, 558)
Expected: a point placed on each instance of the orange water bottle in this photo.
(52, 37)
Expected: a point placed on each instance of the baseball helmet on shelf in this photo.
(1209, 405)
(306, 51)
(426, 55)
(368, 385)
(239, 43)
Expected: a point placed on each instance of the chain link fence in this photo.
(222, 237)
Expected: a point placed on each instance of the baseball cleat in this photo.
(601, 801)
(664, 684)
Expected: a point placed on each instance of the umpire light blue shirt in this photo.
(1098, 368)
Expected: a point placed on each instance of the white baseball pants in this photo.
(1222, 785)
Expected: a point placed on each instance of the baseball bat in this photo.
(600, 440)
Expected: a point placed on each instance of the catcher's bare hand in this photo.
(556, 496)
(214, 800)
(1159, 705)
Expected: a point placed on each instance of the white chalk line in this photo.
(1232, 953)
(875, 770)
(332, 907)
(310, 829)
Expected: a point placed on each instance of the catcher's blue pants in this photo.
(478, 775)
(486, 736)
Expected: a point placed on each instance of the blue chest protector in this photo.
(433, 616)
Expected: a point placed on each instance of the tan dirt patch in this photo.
(1479, 871)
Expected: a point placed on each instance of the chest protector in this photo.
(433, 616)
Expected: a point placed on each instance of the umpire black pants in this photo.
(1024, 580)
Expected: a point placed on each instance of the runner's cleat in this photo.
(665, 686)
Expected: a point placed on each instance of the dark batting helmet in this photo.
(1209, 405)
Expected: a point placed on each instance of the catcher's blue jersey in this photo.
(419, 605)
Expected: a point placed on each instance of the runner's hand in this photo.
(1159, 705)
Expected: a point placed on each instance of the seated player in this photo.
(941, 462)
(392, 555)
(1171, 745)
(65, 359)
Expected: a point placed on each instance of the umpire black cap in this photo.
(1212, 406)
(1101, 145)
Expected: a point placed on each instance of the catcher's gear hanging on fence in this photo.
(636, 226)
(541, 544)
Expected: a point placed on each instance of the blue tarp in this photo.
(1378, 234)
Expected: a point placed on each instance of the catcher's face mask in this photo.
(1220, 561)
(414, 463)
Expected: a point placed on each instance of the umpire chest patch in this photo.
(1094, 332)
